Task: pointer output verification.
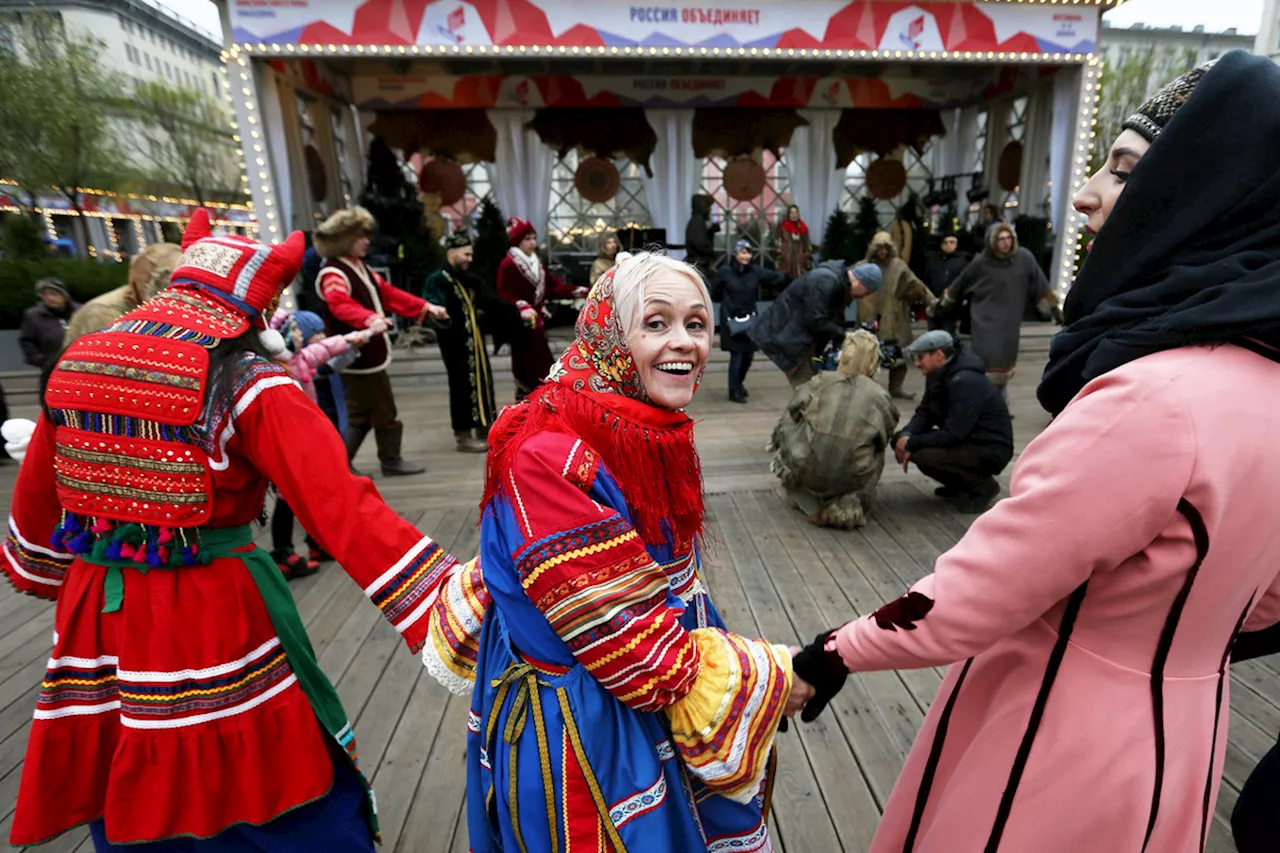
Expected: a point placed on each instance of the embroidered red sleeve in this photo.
(584, 566)
(337, 296)
(397, 301)
(32, 565)
(399, 568)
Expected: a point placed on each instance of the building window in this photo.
(168, 72)
(147, 57)
(214, 75)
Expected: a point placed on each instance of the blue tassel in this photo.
(154, 559)
(72, 524)
(81, 544)
(113, 550)
(188, 556)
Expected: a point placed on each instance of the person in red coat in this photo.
(523, 279)
(357, 298)
(183, 709)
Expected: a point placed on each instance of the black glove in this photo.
(824, 670)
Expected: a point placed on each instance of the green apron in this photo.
(274, 589)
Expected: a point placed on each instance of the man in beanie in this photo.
(961, 434)
(149, 272)
(525, 282)
(358, 298)
(809, 315)
(44, 325)
(890, 307)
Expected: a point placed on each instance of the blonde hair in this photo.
(633, 272)
(860, 355)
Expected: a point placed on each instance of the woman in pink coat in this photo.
(1090, 617)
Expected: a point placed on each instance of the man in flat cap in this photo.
(961, 435)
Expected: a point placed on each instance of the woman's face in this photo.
(529, 243)
(1097, 198)
(611, 247)
(793, 213)
(670, 343)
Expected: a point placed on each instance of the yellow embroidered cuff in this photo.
(453, 629)
(724, 726)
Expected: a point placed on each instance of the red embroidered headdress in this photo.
(518, 229)
(133, 457)
(594, 392)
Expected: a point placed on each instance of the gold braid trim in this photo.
(156, 466)
(132, 494)
(601, 806)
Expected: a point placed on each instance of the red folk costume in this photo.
(182, 696)
(523, 279)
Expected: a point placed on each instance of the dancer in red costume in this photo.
(523, 279)
(183, 708)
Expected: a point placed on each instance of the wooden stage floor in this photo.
(771, 573)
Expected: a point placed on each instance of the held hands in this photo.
(819, 670)
(801, 690)
(436, 312)
(358, 338)
(529, 317)
(376, 324)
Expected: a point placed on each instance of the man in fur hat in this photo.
(358, 298)
(149, 272)
(523, 280)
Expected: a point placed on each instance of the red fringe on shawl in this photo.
(648, 450)
(795, 227)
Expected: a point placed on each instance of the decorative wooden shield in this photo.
(317, 182)
(1009, 172)
(445, 179)
(597, 179)
(744, 179)
(886, 179)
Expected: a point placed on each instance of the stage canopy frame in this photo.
(305, 80)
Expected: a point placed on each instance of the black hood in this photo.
(1177, 265)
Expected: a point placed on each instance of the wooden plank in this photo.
(437, 806)
(805, 794)
(898, 710)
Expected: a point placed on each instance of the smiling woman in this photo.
(602, 654)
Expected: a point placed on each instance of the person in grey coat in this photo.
(45, 324)
(999, 285)
(810, 314)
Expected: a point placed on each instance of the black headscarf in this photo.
(1191, 252)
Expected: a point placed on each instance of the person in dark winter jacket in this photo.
(943, 268)
(44, 324)
(999, 285)
(961, 435)
(810, 314)
(699, 234)
(736, 286)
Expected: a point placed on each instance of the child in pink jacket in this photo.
(307, 350)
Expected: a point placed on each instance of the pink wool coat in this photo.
(1092, 614)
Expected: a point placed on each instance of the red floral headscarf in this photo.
(594, 392)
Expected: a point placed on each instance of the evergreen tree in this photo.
(491, 242)
(865, 226)
(837, 235)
